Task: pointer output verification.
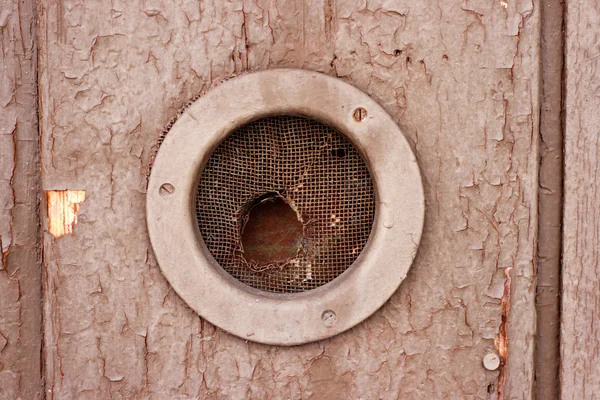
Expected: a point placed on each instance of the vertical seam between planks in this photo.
(550, 201)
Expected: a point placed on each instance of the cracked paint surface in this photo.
(580, 325)
(20, 262)
(461, 80)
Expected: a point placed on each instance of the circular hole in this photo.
(271, 232)
(329, 318)
(397, 52)
(166, 189)
(359, 114)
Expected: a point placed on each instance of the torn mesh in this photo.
(317, 171)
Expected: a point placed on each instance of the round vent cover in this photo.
(285, 206)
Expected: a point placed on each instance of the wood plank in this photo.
(20, 262)
(461, 79)
(580, 332)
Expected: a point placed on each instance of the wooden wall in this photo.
(461, 78)
(20, 254)
(580, 334)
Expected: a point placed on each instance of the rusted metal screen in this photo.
(317, 172)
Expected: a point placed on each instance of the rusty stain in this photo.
(4, 255)
(501, 339)
(63, 206)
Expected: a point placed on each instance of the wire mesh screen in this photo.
(316, 171)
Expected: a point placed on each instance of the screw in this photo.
(329, 318)
(491, 361)
(166, 189)
(359, 114)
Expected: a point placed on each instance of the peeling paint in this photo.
(579, 373)
(21, 354)
(460, 84)
(63, 206)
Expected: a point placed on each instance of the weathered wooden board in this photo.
(461, 79)
(20, 256)
(580, 334)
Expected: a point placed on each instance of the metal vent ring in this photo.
(388, 216)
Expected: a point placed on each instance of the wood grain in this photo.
(20, 262)
(580, 331)
(460, 78)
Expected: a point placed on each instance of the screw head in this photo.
(329, 318)
(491, 361)
(166, 189)
(359, 114)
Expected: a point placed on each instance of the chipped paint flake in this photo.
(63, 206)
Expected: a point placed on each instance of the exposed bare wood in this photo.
(20, 262)
(63, 206)
(580, 332)
(461, 79)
